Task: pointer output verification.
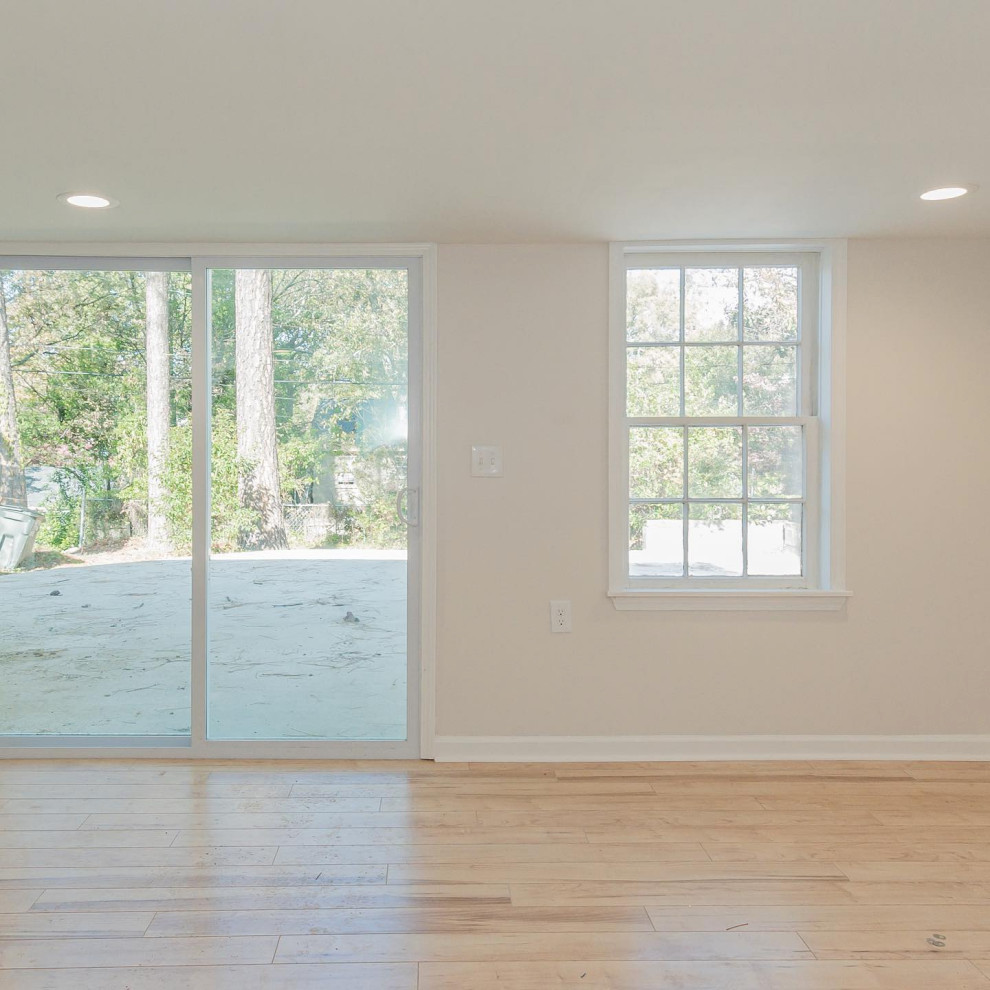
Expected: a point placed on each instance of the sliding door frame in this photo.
(420, 261)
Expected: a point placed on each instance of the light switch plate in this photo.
(486, 461)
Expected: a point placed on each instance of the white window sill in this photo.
(730, 600)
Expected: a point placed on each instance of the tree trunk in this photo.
(258, 483)
(12, 487)
(159, 401)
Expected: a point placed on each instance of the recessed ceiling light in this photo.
(946, 192)
(88, 201)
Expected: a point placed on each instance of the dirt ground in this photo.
(101, 647)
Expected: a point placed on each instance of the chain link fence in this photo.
(308, 525)
(98, 521)
(103, 520)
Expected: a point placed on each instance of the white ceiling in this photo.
(502, 120)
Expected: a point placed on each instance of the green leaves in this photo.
(341, 366)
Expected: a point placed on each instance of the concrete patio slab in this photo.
(304, 645)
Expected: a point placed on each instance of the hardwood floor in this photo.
(140, 875)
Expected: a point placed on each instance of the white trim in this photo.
(414, 531)
(720, 256)
(618, 440)
(76, 743)
(606, 749)
(832, 415)
(728, 247)
(94, 263)
(181, 748)
(428, 508)
(202, 496)
(198, 257)
(729, 600)
(719, 421)
(129, 252)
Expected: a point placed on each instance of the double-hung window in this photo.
(723, 476)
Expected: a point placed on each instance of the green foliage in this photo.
(60, 525)
(102, 514)
(711, 387)
(228, 517)
(340, 368)
(381, 472)
(340, 378)
(74, 339)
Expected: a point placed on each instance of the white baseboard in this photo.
(618, 749)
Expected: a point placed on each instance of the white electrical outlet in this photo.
(560, 617)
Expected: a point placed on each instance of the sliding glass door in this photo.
(308, 582)
(209, 500)
(95, 403)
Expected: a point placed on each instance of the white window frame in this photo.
(821, 414)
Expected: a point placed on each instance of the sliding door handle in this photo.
(407, 506)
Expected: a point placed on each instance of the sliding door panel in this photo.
(95, 503)
(307, 576)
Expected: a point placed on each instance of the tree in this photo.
(158, 401)
(257, 449)
(83, 358)
(12, 487)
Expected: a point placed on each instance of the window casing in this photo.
(722, 479)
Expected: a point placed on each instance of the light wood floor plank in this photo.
(138, 856)
(638, 769)
(857, 773)
(510, 947)
(535, 873)
(919, 944)
(400, 976)
(30, 822)
(817, 787)
(926, 807)
(956, 788)
(891, 851)
(492, 852)
(102, 877)
(947, 975)
(493, 918)
(806, 918)
(57, 953)
(909, 872)
(431, 835)
(308, 898)
(188, 805)
(794, 834)
(206, 821)
(941, 770)
(784, 892)
(649, 819)
(94, 924)
(19, 900)
(161, 791)
(78, 839)
(441, 786)
(644, 804)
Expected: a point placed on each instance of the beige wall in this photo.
(523, 357)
